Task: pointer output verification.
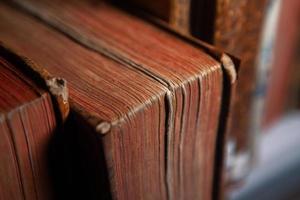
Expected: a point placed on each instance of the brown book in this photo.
(28, 123)
(231, 25)
(146, 100)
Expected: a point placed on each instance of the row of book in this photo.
(123, 100)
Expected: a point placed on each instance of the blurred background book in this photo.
(276, 118)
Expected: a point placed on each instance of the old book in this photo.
(150, 101)
(28, 123)
(231, 25)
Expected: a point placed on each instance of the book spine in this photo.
(237, 29)
(180, 15)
